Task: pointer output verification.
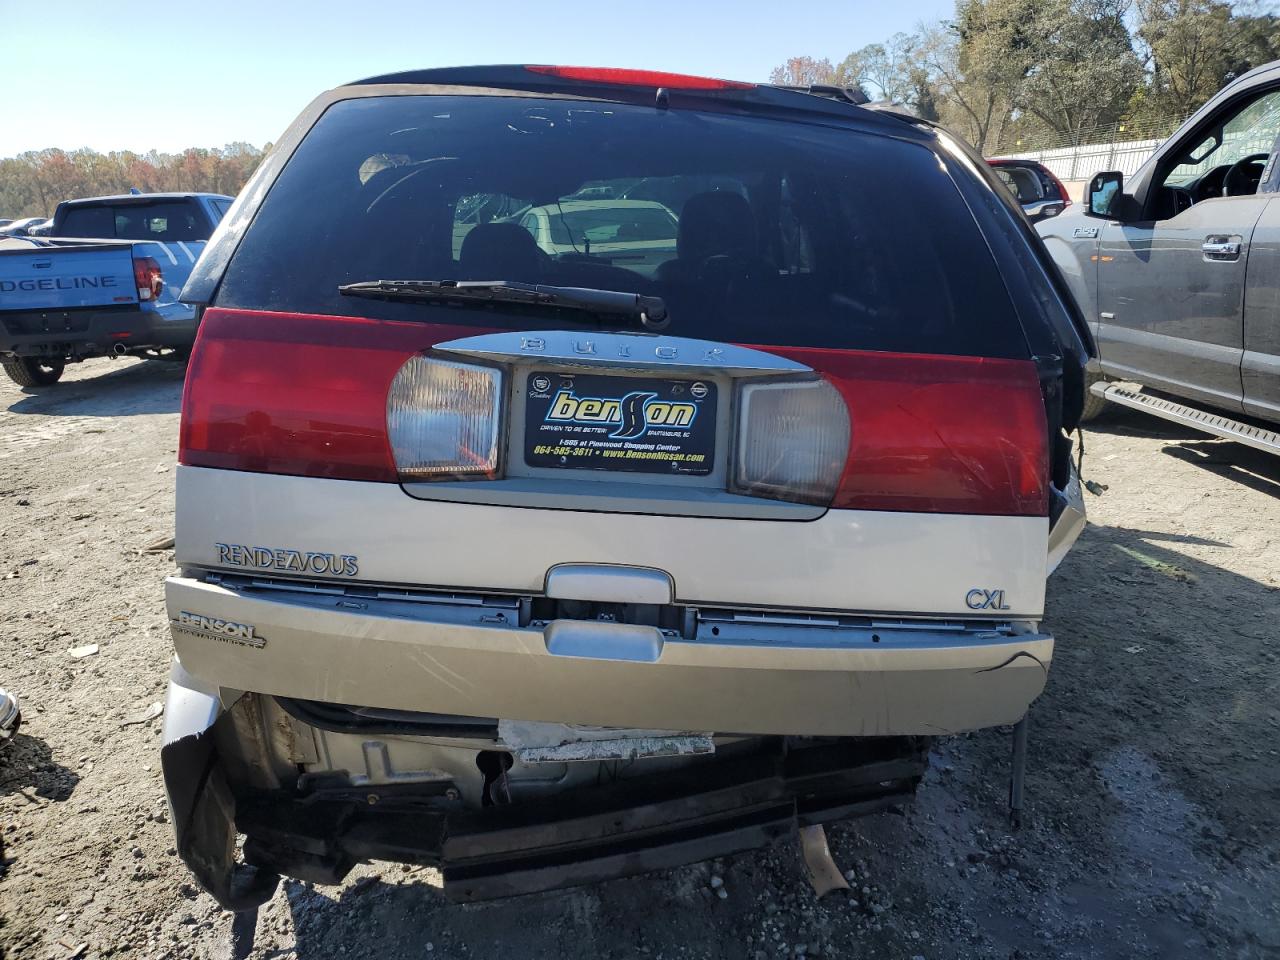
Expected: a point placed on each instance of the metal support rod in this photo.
(1019, 771)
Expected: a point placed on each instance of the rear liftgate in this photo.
(610, 423)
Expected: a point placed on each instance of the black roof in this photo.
(828, 101)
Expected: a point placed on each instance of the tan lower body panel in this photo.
(908, 681)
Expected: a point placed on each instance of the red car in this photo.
(1040, 193)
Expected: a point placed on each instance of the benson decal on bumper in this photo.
(243, 634)
(289, 561)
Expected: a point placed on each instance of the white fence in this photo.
(1081, 163)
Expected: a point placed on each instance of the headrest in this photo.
(716, 223)
(500, 251)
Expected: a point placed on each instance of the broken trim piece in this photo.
(567, 743)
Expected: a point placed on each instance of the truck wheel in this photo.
(32, 372)
(1094, 405)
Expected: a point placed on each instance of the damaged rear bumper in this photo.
(314, 796)
(318, 829)
(729, 672)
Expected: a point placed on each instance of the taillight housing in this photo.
(148, 278)
(347, 398)
(938, 434)
(294, 393)
(792, 441)
(444, 419)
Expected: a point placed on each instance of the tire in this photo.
(1094, 405)
(33, 372)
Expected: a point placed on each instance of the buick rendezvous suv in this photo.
(589, 471)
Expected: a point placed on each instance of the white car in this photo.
(636, 234)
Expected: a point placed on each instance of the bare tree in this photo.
(976, 106)
(803, 72)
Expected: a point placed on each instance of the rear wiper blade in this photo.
(650, 311)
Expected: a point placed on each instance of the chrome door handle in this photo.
(1221, 248)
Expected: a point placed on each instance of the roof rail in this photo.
(852, 95)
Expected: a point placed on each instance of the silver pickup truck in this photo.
(1178, 270)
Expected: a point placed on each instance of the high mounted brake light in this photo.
(640, 78)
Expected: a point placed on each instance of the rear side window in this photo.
(166, 221)
(758, 231)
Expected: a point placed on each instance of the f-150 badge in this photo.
(1085, 233)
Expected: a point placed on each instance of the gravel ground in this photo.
(1153, 827)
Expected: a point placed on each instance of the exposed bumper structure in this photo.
(767, 686)
(316, 830)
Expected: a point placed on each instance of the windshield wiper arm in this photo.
(650, 311)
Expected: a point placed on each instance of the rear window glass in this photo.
(163, 221)
(1023, 182)
(753, 230)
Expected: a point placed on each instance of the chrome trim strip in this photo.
(636, 351)
(610, 496)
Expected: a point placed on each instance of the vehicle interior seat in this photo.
(501, 251)
(1270, 183)
(715, 224)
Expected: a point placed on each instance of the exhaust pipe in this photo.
(119, 349)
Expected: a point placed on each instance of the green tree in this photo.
(1194, 47)
(1187, 44)
(1082, 70)
(973, 93)
(881, 69)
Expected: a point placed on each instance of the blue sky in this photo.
(132, 75)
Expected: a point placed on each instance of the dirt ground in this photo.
(1153, 789)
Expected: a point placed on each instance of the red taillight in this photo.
(640, 78)
(147, 278)
(939, 434)
(308, 395)
(295, 394)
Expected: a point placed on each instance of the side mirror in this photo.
(1105, 189)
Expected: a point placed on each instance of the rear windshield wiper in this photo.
(650, 311)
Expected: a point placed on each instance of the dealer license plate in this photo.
(627, 424)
